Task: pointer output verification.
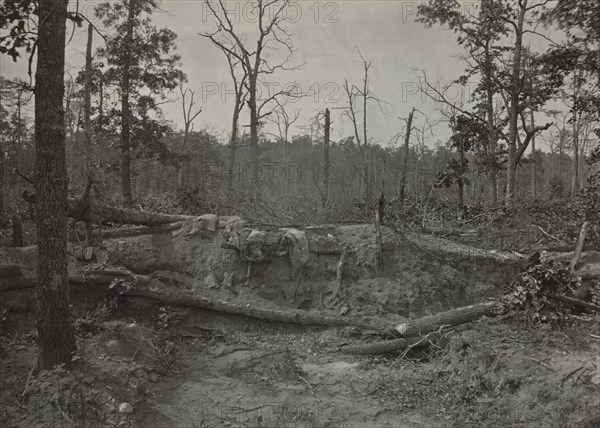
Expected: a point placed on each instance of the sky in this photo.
(327, 37)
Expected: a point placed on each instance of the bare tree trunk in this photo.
(405, 160)
(56, 339)
(326, 172)
(87, 101)
(126, 111)
(461, 185)
(534, 178)
(254, 122)
(575, 184)
(233, 147)
(515, 86)
(491, 127)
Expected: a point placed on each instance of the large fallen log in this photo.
(444, 247)
(80, 210)
(144, 286)
(452, 317)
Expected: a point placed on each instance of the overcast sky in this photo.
(326, 36)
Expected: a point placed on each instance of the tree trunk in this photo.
(491, 126)
(56, 339)
(326, 172)
(515, 86)
(126, 110)
(534, 178)
(575, 184)
(233, 146)
(254, 167)
(461, 184)
(405, 160)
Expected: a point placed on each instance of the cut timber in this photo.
(391, 345)
(457, 316)
(79, 210)
(579, 246)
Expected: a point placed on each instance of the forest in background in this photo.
(276, 169)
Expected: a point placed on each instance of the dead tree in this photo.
(189, 116)
(239, 84)
(280, 118)
(270, 34)
(406, 152)
(326, 165)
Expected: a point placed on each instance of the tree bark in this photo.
(126, 110)
(56, 339)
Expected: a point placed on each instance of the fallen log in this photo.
(443, 247)
(452, 317)
(293, 316)
(144, 286)
(576, 302)
(81, 210)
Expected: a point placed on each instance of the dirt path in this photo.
(274, 378)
